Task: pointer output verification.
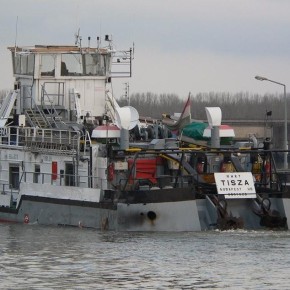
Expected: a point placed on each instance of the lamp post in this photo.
(259, 78)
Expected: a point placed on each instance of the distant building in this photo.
(262, 129)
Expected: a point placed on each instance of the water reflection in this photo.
(37, 257)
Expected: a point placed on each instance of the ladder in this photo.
(36, 118)
(7, 106)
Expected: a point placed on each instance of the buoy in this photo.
(26, 218)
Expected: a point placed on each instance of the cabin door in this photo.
(14, 176)
(69, 174)
(36, 174)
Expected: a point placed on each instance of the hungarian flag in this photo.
(183, 120)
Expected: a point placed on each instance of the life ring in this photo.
(26, 218)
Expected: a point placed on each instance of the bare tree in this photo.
(238, 106)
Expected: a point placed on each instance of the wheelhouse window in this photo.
(23, 63)
(47, 67)
(71, 64)
(96, 64)
(90, 64)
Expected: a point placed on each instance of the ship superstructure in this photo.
(70, 155)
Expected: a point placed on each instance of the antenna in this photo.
(127, 95)
(108, 38)
(16, 31)
(100, 42)
(77, 36)
(133, 50)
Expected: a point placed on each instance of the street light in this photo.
(259, 78)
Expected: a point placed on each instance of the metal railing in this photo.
(55, 99)
(39, 139)
(58, 180)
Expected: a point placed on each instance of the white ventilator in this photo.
(124, 117)
(214, 118)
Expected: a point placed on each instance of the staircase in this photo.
(43, 117)
(37, 118)
(7, 107)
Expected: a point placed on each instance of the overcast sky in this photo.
(180, 46)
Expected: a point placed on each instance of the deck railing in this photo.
(38, 139)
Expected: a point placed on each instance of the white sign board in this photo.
(235, 184)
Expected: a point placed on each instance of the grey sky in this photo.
(180, 46)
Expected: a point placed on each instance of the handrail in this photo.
(86, 138)
(51, 111)
(52, 178)
(32, 137)
(38, 110)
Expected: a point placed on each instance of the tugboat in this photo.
(70, 155)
